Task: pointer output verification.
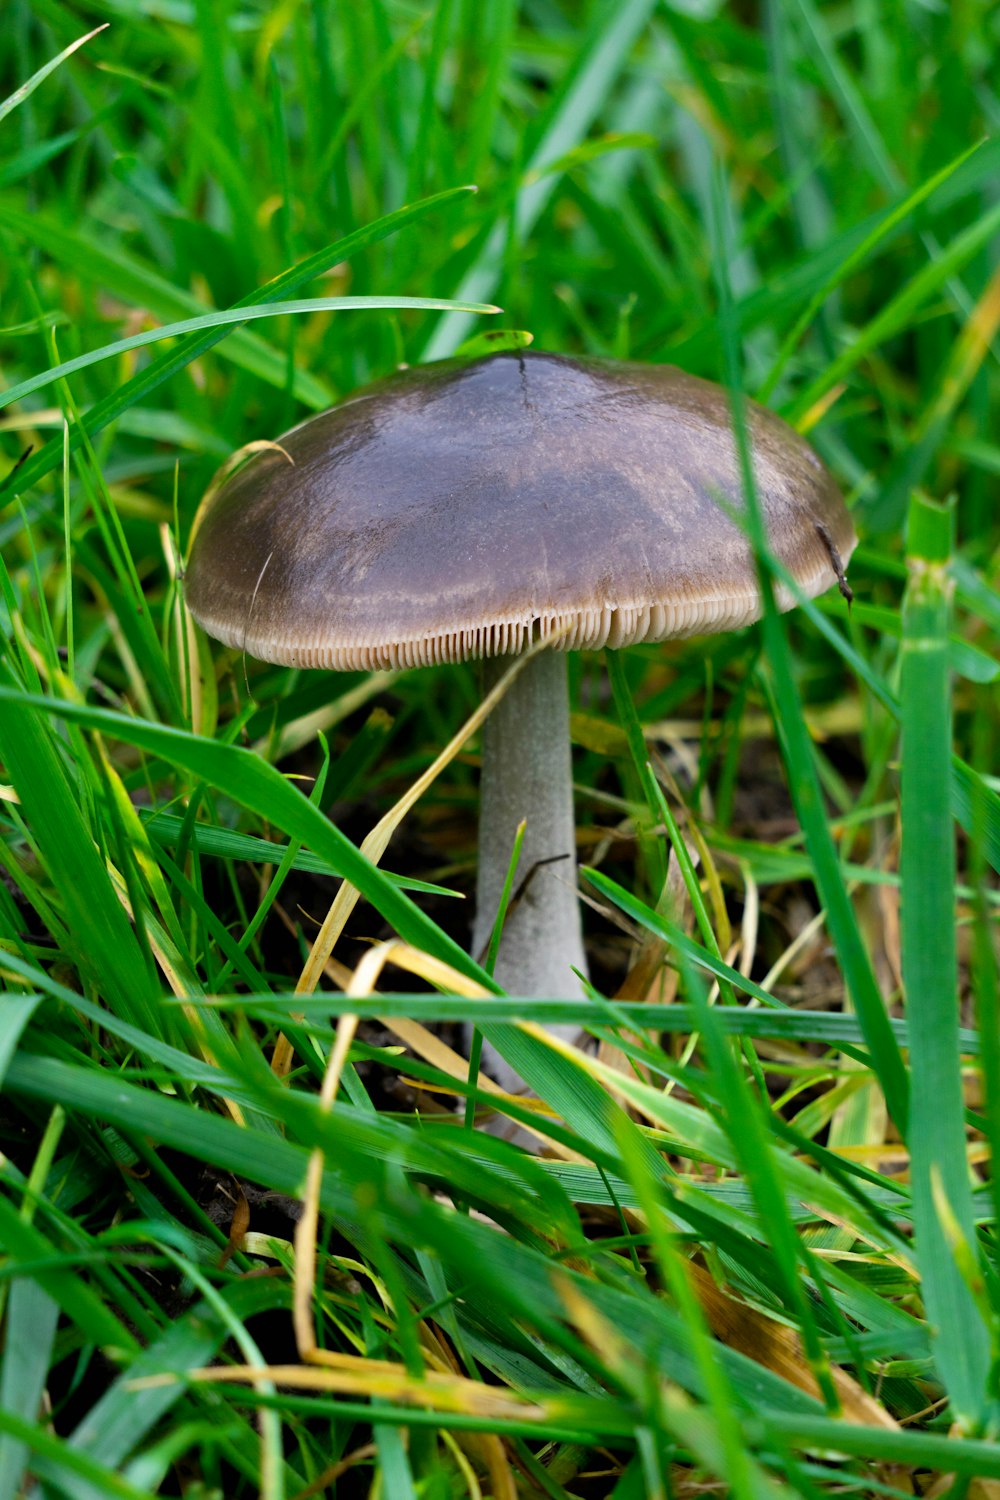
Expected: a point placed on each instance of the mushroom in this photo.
(468, 509)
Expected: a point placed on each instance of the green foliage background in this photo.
(778, 1272)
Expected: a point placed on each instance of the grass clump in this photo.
(759, 1252)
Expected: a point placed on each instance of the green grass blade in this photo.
(129, 1409)
(938, 1452)
(28, 88)
(899, 312)
(15, 1013)
(893, 217)
(134, 281)
(139, 386)
(939, 1169)
(826, 1028)
(596, 67)
(735, 1466)
(104, 944)
(797, 752)
(231, 318)
(77, 1474)
(847, 96)
(31, 1319)
(78, 1301)
(257, 785)
(169, 830)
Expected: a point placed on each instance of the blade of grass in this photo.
(967, 785)
(940, 1453)
(898, 313)
(15, 1013)
(104, 944)
(797, 753)
(598, 61)
(257, 785)
(964, 361)
(139, 386)
(489, 964)
(826, 1028)
(747, 1130)
(28, 88)
(862, 125)
(231, 318)
(134, 281)
(930, 966)
(79, 1302)
(224, 843)
(133, 1405)
(895, 216)
(79, 1474)
(31, 1319)
(737, 1466)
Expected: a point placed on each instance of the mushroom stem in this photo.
(527, 773)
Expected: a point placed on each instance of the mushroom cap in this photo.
(463, 509)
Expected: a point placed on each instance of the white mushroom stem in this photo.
(527, 773)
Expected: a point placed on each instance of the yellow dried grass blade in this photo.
(383, 1381)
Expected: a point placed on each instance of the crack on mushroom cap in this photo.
(440, 515)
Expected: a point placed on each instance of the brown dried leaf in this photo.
(238, 1224)
(779, 1348)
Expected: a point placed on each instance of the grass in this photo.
(759, 1252)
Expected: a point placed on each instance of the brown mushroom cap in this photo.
(463, 509)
